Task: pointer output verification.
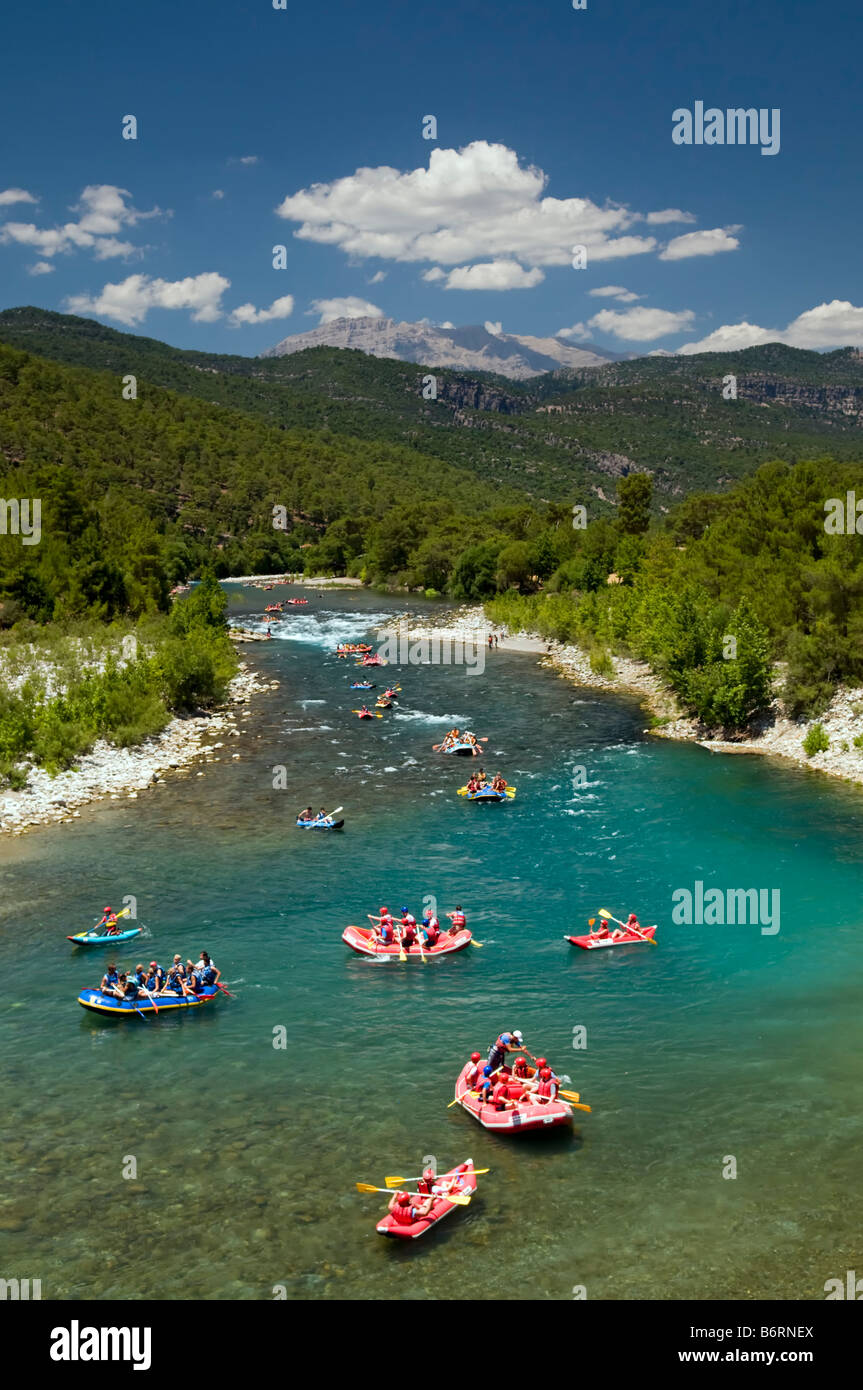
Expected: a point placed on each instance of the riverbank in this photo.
(111, 772)
(772, 734)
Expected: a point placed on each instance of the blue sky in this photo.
(554, 129)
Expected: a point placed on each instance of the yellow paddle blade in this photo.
(367, 1187)
(476, 943)
(604, 912)
(576, 1106)
(462, 791)
(571, 1095)
(452, 1103)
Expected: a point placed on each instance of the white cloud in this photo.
(104, 212)
(656, 219)
(834, 325)
(131, 300)
(378, 277)
(614, 292)
(494, 328)
(15, 195)
(446, 324)
(494, 275)
(247, 313)
(433, 275)
(470, 203)
(41, 268)
(641, 325)
(244, 159)
(348, 308)
(705, 243)
(218, 194)
(578, 333)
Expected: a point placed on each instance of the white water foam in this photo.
(421, 717)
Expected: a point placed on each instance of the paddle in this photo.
(457, 1198)
(227, 991)
(367, 716)
(397, 1182)
(423, 956)
(604, 912)
(124, 912)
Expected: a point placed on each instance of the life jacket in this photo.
(472, 1076)
(387, 933)
(208, 975)
(547, 1088)
(458, 919)
(424, 1185)
(520, 1067)
(409, 932)
(499, 1095)
(111, 978)
(432, 932)
(403, 1216)
(139, 977)
(497, 1051)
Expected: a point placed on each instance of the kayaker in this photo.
(507, 1042)
(458, 919)
(632, 923)
(453, 1182)
(405, 1211)
(425, 1184)
(431, 928)
(110, 979)
(109, 922)
(307, 814)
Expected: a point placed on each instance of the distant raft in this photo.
(364, 941)
(463, 750)
(326, 823)
(593, 942)
(488, 794)
(109, 1006)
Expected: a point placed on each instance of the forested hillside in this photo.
(566, 436)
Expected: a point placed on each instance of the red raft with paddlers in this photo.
(464, 1185)
(592, 940)
(366, 943)
(520, 1114)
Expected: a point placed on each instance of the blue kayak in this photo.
(363, 685)
(86, 938)
(106, 1004)
(326, 824)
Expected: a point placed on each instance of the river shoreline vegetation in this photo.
(138, 495)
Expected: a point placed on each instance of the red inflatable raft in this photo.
(363, 940)
(522, 1116)
(592, 943)
(441, 1208)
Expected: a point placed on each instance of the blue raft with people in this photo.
(109, 1005)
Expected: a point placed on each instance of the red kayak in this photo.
(441, 1208)
(523, 1115)
(364, 941)
(592, 943)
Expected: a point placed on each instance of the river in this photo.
(720, 1044)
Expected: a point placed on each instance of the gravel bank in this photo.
(124, 772)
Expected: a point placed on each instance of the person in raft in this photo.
(408, 928)
(364, 709)
(507, 1042)
(109, 922)
(306, 815)
(430, 927)
(443, 1186)
(110, 981)
(476, 1070)
(385, 925)
(405, 1211)
(155, 980)
(458, 919)
(498, 783)
(544, 1090)
(207, 971)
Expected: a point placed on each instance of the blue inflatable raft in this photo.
(86, 938)
(107, 1004)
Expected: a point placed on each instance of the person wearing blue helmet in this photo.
(408, 928)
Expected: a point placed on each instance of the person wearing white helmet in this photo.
(507, 1042)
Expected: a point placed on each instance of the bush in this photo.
(432, 593)
(601, 663)
(858, 742)
(816, 741)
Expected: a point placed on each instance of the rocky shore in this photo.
(113, 772)
(774, 733)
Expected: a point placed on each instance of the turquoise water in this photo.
(720, 1042)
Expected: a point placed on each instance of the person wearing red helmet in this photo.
(520, 1069)
(109, 922)
(385, 924)
(405, 1212)
(500, 1097)
(472, 1077)
(548, 1087)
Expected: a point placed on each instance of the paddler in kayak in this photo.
(306, 815)
(405, 1209)
(108, 922)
